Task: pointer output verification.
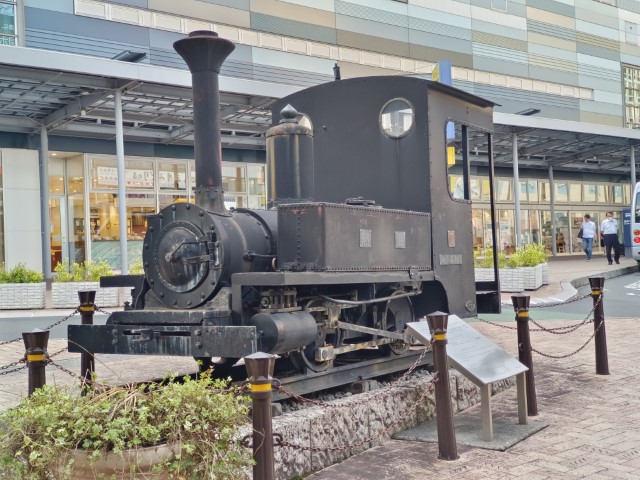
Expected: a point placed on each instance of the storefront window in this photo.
(532, 188)
(166, 200)
(603, 194)
(589, 193)
(562, 193)
(534, 226)
(138, 174)
(104, 173)
(505, 190)
(476, 189)
(56, 176)
(545, 193)
(233, 178)
(523, 192)
(478, 229)
(8, 22)
(172, 176)
(506, 233)
(575, 193)
(617, 193)
(486, 190)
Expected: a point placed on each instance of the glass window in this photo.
(233, 178)
(589, 193)
(255, 179)
(75, 174)
(562, 193)
(7, 22)
(486, 190)
(476, 189)
(396, 118)
(545, 193)
(104, 173)
(532, 189)
(56, 176)
(506, 233)
(505, 190)
(575, 193)
(603, 194)
(523, 191)
(617, 193)
(166, 200)
(534, 226)
(478, 229)
(138, 174)
(172, 176)
(627, 194)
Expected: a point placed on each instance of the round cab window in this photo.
(397, 118)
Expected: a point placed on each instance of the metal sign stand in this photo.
(481, 361)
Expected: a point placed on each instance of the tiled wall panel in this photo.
(202, 11)
(373, 43)
(516, 34)
(327, 5)
(630, 5)
(548, 73)
(501, 54)
(291, 28)
(373, 14)
(417, 14)
(433, 54)
(544, 28)
(240, 4)
(598, 118)
(430, 39)
(64, 6)
(490, 64)
(296, 13)
(445, 29)
(551, 6)
(371, 28)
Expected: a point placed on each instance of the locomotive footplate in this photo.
(187, 340)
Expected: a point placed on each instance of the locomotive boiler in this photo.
(362, 233)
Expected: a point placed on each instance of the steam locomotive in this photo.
(362, 233)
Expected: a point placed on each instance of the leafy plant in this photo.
(529, 256)
(136, 268)
(486, 260)
(87, 271)
(20, 274)
(199, 417)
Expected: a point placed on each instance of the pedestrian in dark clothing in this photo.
(609, 231)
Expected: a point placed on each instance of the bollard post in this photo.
(447, 448)
(521, 307)
(260, 370)
(602, 358)
(35, 343)
(87, 309)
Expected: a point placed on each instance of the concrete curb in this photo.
(570, 288)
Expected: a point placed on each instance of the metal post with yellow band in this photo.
(87, 308)
(602, 358)
(260, 370)
(521, 307)
(35, 344)
(447, 448)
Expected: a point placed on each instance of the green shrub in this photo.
(136, 268)
(199, 417)
(486, 260)
(529, 256)
(20, 274)
(87, 271)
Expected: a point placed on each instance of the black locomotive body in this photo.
(362, 234)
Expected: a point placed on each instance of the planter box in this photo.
(531, 276)
(65, 294)
(511, 280)
(15, 296)
(545, 273)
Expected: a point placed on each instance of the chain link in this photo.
(60, 367)
(548, 305)
(5, 370)
(375, 393)
(559, 357)
(279, 440)
(569, 328)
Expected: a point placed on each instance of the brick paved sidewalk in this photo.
(594, 421)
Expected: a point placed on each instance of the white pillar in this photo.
(633, 168)
(516, 191)
(552, 205)
(44, 203)
(122, 207)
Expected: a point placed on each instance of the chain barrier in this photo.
(548, 305)
(560, 357)
(375, 393)
(3, 370)
(279, 440)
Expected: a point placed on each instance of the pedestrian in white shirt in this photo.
(588, 234)
(609, 231)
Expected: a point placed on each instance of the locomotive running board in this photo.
(344, 374)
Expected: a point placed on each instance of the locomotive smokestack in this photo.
(204, 53)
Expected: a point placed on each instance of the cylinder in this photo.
(290, 160)
(283, 332)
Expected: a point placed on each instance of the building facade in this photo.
(573, 62)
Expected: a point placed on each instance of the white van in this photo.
(635, 224)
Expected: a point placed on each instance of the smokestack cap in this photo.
(204, 51)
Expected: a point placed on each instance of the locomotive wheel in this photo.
(305, 360)
(399, 312)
